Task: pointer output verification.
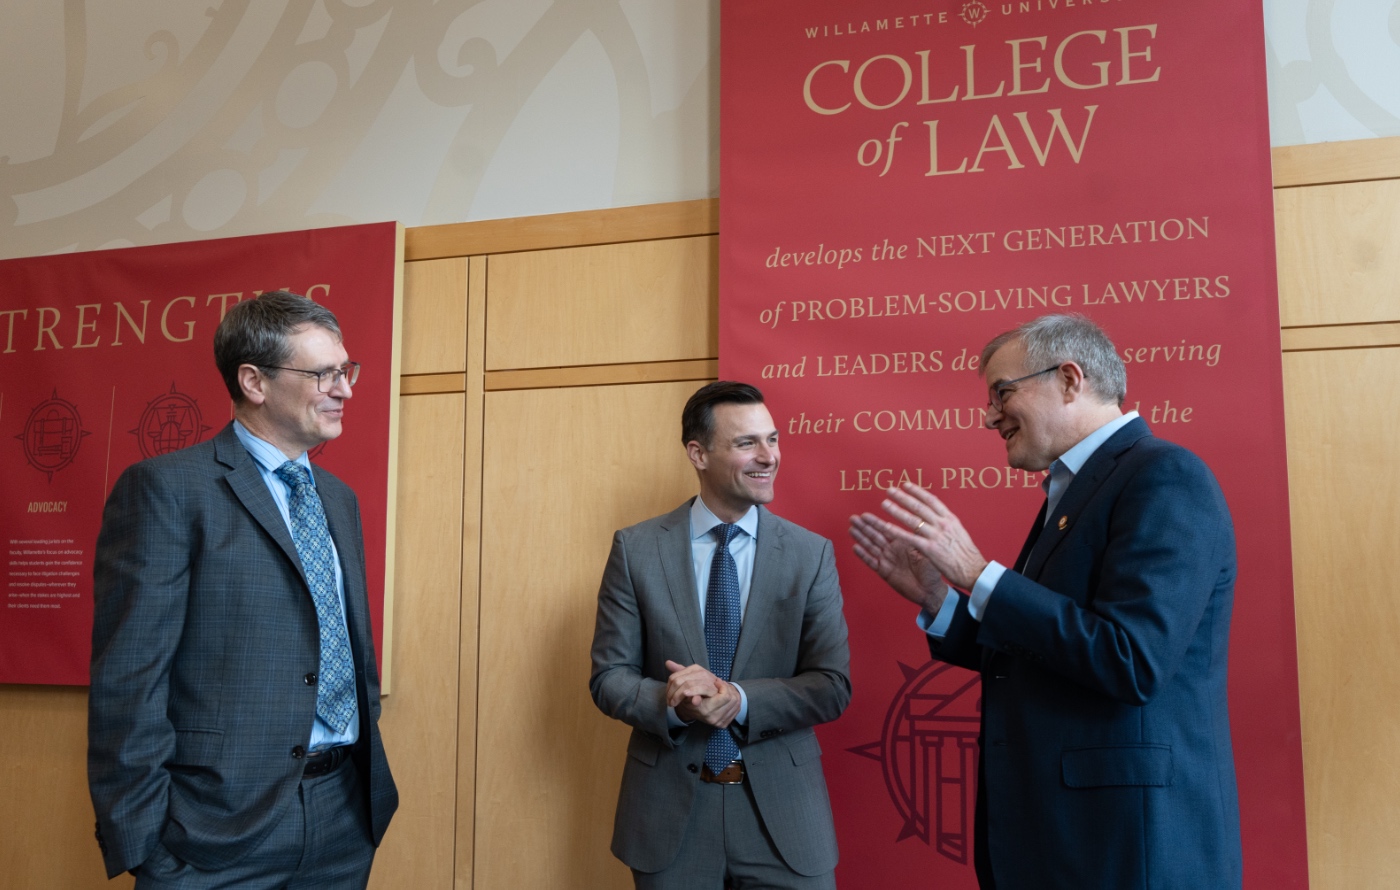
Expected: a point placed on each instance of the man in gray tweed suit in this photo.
(233, 735)
(720, 640)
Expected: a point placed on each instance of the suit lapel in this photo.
(248, 486)
(1031, 538)
(1081, 490)
(769, 570)
(674, 547)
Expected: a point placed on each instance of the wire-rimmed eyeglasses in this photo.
(997, 395)
(327, 379)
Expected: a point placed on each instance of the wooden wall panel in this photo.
(562, 470)
(1343, 413)
(471, 578)
(419, 720)
(1339, 260)
(646, 301)
(1338, 253)
(46, 820)
(434, 317)
(1352, 160)
(614, 225)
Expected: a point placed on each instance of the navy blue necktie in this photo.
(722, 620)
(335, 689)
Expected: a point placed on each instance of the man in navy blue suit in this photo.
(1105, 751)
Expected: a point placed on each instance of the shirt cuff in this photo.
(674, 722)
(937, 625)
(982, 590)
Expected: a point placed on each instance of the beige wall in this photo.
(514, 471)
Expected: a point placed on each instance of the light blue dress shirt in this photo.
(268, 458)
(1062, 473)
(702, 553)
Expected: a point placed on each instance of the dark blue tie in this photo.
(722, 620)
(335, 690)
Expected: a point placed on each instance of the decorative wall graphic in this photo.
(156, 122)
(52, 435)
(170, 422)
(928, 750)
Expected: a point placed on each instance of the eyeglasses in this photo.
(326, 380)
(997, 395)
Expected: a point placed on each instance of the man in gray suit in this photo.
(233, 735)
(720, 641)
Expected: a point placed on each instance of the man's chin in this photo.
(1022, 462)
(763, 496)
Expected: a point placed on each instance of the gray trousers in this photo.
(726, 845)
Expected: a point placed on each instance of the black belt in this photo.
(321, 763)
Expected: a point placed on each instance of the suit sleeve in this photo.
(959, 644)
(618, 683)
(1170, 544)
(820, 686)
(140, 588)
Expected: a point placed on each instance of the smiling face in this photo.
(288, 410)
(739, 467)
(1035, 421)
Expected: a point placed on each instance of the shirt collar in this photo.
(1075, 458)
(702, 521)
(268, 456)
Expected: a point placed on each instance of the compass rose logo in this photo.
(170, 422)
(52, 435)
(974, 12)
(928, 752)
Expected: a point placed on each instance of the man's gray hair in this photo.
(1055, 339)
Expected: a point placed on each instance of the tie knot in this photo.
(293, 474)
(725, 532)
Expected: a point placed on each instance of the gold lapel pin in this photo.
(1064, 522)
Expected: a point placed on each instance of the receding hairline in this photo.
(995, 345)
(1062, 338)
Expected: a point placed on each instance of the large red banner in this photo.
(900, 183)
(106, 358)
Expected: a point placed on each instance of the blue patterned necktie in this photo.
(335, 689)
(722, 635)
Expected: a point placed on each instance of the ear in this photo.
(253, 382)
(699, 457)
(1071, 378)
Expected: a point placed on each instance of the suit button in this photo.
(693, 768)
(298, 752)
(310, 679)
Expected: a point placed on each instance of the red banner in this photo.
(902, 183)
(106, 358)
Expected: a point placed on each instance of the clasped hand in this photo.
(697, 694)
